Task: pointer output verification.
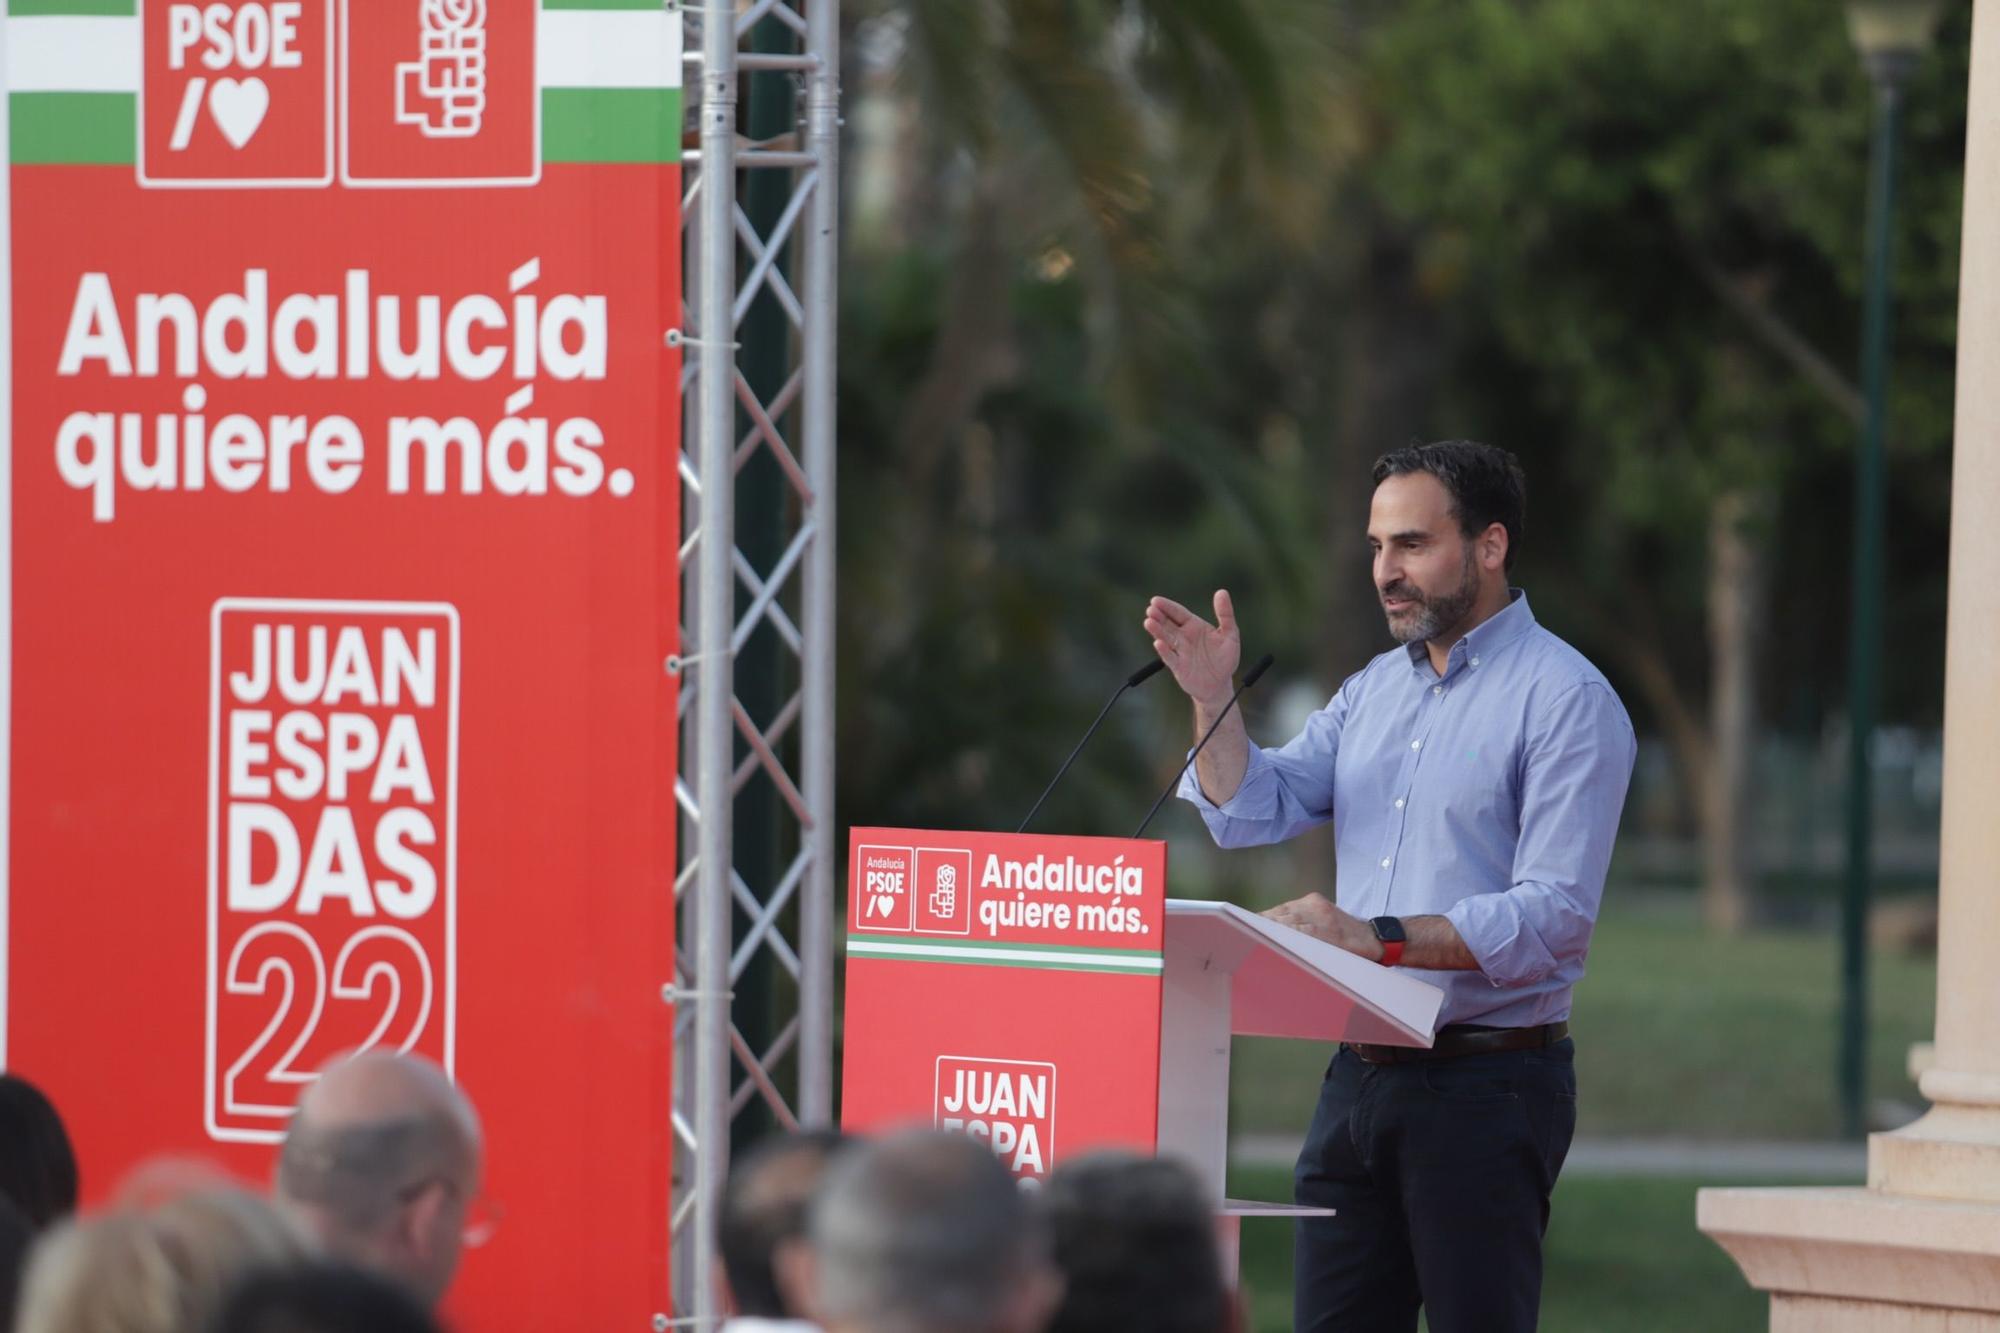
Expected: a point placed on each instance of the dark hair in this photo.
(764, 1204)
(16, 1236)
(1486, 484)
(37, 1164)
(1135, 1240)
(322, 1298)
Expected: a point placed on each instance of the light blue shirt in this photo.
(1489, 795)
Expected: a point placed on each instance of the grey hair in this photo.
(353, 1173)
(923, 1232)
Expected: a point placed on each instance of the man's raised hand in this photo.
(1203, 657)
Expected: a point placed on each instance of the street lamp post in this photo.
(1891, 36)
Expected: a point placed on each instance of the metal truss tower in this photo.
(754, 983)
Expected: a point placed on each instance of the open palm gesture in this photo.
(1203, 657)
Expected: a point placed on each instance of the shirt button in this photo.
(1416, 745)
(1475, 661)
(1437, 689)
(1399, 803)
(1385, 863)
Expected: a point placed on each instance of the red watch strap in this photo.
(1392, 952)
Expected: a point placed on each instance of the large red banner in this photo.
(1005, 986)
(343, 528)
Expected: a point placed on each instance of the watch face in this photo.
(1389, 929)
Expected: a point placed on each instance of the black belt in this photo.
(1458, 1039)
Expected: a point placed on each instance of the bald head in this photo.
(381, 1162)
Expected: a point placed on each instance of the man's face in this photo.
(449, 1225)
(1426, 573)
(429, 1235)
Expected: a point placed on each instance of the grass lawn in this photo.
(1623, 1254)
(1679, 1033)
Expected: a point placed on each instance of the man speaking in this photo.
(1474, 777)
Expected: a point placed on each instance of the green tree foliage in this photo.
(1645, 221)
(1056, 394)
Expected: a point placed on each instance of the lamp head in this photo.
(1892, 35)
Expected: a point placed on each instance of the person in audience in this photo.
(926, 1232)
(322, 1298)
(165, 1269)
(37, 1165)
(382, 1166)
(763, 1223)
(16, 1235)
(1136, 1243)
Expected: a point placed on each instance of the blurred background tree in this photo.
(1135, 291)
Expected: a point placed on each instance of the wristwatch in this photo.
(1389, 930)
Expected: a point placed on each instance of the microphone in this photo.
(1136, 679)
(1263, 664)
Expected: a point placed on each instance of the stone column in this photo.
(1919, 1247)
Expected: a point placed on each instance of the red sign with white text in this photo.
(344, 527)
(1005, 986)
(237, 94)
(332, 818)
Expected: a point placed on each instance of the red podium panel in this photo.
(1005, 985)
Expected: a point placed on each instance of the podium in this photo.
(1230, 972)
(1044, 993)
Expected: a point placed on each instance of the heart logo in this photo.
(238, 106)
(884, 904)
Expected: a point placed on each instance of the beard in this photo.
(1430, 616)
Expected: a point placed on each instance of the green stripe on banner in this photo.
(987, 953)
(92, 129)
(611, 124)
(114, 8)
(1001, 958)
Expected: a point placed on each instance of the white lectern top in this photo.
(1285, 983)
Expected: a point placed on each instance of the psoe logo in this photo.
(1011, 1104)
(880, 898)
(332, 894)
(944, 891)
(440, 93)
(233, 93)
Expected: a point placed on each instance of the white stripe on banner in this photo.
(608, 48)
(69, 54)
(973, 953)
(574, 48)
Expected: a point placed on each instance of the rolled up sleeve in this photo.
(1284, 791)
(1576, 766)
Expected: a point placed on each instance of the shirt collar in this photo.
(1484, 639)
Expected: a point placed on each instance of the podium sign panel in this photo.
(343, 517)
(1006, 986)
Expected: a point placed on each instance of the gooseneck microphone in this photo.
(1263, 664)
(1137, 678)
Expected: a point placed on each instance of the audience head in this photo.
(323, 1298)
(37, 1166)
(763, 1215)
(159, 1270)
(381, 1165)
(926, 1232)
(1135, 1241)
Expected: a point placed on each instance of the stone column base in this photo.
(1819, 1314)
(1855, 1258)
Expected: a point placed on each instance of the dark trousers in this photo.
(1439, 1172)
